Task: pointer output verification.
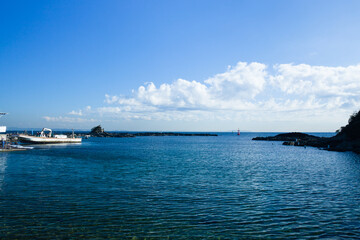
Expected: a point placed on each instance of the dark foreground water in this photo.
(225, 187)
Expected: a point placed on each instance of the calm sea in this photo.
(225, 187)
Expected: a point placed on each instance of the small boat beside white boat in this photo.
(48, 138)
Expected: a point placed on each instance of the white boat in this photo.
(47, 138)
(3, 135)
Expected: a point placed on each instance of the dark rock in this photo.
(97, 130)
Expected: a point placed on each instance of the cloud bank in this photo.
(251, 91)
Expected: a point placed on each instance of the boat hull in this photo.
(47, 140)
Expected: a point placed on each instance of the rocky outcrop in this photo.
(294, 136)
(97, 130)
(297, 139)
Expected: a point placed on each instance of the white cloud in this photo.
(243, 80)
(111, 99)
(68, 119)
(322, 81)
(246, 91)
(80, 112)
(77, 113)
(230, 90)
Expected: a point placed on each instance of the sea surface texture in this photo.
(225, 187)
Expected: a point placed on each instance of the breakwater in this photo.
(145, 134)
(98, 131)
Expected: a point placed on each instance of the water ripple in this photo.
(179, 188)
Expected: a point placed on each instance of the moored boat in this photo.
(48, 138)
(2, 129)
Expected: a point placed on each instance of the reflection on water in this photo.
(225, 187)
(53, 145)
(3, 162)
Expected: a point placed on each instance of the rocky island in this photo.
(346, 139)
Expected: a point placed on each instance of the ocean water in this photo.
(225, 187)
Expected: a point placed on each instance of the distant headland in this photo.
(346, 139)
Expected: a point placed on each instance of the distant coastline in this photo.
(346, 139)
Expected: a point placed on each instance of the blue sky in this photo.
(180, 65)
